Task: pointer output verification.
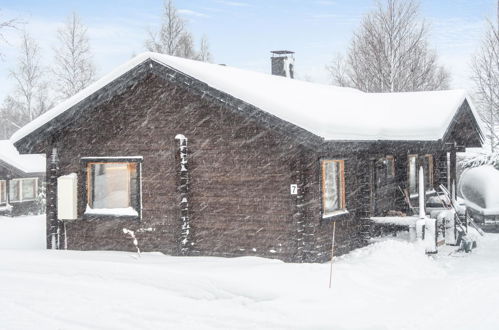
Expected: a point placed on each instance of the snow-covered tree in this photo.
(483, 158)
(173, 37)
(74, 69)
(485, 68)
(390, 53)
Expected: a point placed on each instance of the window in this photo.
(428, 171)
(427, 163)
(3, 192)
(333, 186)
(390, 166)
(22, 190)
(413, 174)
(112, 187)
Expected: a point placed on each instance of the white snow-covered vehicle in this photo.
(479, 189)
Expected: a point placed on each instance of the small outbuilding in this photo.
(205, 159)
(22, 178)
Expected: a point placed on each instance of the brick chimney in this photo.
(283, 63)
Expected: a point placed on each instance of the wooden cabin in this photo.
(21, 181)
(204, 159)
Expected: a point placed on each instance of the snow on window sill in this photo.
(22, 201)
(120, 212)
(335, 214)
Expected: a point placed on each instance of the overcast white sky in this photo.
(242, 32)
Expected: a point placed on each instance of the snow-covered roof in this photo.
(26, 163)
(333, 113)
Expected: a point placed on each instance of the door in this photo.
(377, 186)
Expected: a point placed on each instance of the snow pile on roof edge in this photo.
(25, 163)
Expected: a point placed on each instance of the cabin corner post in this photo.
(185, 242)
(303, 235)
(53, 225)
(363, 196)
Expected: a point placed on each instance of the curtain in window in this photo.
(111, 185)
(28, 189)
(333, 192)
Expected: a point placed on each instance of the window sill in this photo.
(24, 200)
(335, 214)
(119, 212)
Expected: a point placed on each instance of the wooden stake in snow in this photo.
(332, 255)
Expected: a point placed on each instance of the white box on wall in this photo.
(67, 200)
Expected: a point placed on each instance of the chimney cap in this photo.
(281, 52)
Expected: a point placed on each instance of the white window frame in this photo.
(20, 183)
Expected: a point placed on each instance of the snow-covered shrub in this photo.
(41, 200)
(131, 234)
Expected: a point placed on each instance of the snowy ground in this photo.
(26, 232)
(388, 285)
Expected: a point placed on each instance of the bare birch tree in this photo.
(485, 74)
(74, 69)
(30, 96)
(186, 46)
(390, 53)
(5, 25)
(173, 37)
(204, 53)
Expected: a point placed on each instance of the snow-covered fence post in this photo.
(183, 188)
(431, 232)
